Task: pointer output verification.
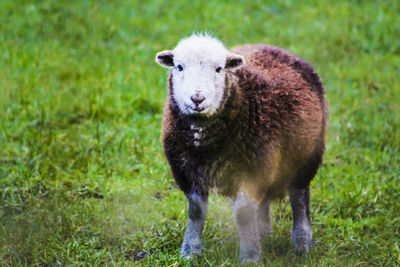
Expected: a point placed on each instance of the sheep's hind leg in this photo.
(192, 244)
(301, 232)
(264, 219)
(247, 224)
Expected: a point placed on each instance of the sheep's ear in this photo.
(234, 61)
(165, 58)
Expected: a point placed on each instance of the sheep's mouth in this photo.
(196, 109)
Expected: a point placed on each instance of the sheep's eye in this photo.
(218, 69)
(180, 68)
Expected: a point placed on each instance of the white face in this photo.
(197, 66)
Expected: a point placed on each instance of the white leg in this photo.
(247, 225)
(264, 219)
(192, 244)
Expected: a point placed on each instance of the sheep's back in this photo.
(281, 66)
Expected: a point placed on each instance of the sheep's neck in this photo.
(203, 133)
(213, 133)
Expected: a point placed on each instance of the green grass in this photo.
(83, 179)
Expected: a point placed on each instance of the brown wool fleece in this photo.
(268, 134)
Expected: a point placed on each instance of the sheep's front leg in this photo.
(192, 243)
(301, 233)
(247, 225)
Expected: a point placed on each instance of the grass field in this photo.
(83, 180)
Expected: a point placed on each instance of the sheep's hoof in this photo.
(189, 252)
(302, 241)
(302, 250)
(249, 256)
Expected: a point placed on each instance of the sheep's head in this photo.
(198, 67)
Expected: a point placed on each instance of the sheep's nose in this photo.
(197, 99)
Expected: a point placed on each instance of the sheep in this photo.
(249, 123)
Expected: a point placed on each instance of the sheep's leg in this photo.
(264, 219)
(247, 225)
(192, 243)
(301, 232)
